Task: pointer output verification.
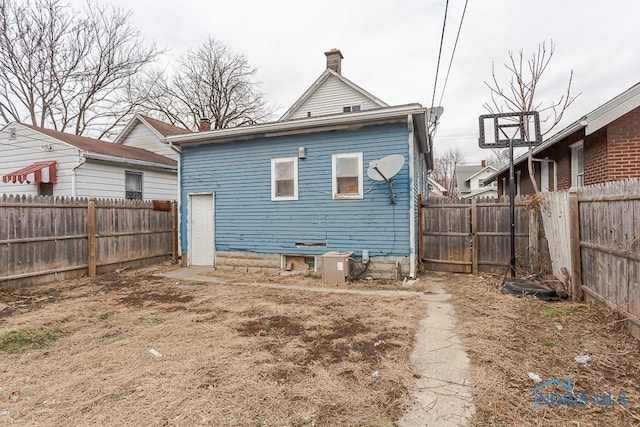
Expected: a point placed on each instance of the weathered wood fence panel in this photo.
(493, 235)
(610, 246)
(467, 236)
(557, 226)
(446, 239)
(42, 236)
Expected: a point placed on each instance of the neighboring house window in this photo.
(133, 185)
(518, 175)
(284, 178)
(544, 176)
(481, 183)
(577, 164)
(504, 186)
(351, 108)
(346, 174)
(45, 189)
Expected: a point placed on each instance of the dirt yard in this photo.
(507, 337)
(138, 349)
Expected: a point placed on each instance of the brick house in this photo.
(602, 146)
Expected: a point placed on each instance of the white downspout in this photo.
(74, 182)
(179, 152)
(412, 202)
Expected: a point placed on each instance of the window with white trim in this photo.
(133, 185)
(351, 108)
(346, 176)
(577, 164)
(284, 179)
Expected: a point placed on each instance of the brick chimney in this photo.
(334, 60)
(483, 163)
(205, 124)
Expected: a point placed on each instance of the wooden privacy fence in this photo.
(472, 236)
(44, 236)
(609, 247)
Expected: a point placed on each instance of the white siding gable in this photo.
(330, 98)
(143, 137)
(29, 147)
(475, 181)
(104, 180)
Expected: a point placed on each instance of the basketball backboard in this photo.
(499, 130)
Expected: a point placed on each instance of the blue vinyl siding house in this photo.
(253, 197)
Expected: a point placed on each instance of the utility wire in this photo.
(444, 23)
(454, 52)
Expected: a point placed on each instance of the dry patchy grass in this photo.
(507, 337)
(77, 353)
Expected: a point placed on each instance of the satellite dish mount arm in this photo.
(388, 180)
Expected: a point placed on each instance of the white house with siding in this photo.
(41, 161)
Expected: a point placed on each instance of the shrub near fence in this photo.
(42, 237)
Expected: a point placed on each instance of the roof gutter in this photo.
(333, 122)
(572, 128)
(129, 162)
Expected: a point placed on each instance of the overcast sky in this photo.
(390, 48)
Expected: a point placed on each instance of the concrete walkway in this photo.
(442, 395)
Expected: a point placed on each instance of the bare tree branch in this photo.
(521, 94)
(66, 68)
(444, 168)
(210, 82)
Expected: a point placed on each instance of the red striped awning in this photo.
(37, 172)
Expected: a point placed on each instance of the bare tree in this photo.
(211, 82)
(66, 68)
(498, 156)
(520, 93)
(444, 168)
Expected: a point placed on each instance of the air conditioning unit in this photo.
(335, 266)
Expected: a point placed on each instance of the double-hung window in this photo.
(577, 164)
(133, 185)
(346, 176)
(284, 179)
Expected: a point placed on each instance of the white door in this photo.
(201, 229)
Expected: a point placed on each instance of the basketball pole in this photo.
(512, 210)
(511, 120)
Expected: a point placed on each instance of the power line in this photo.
(455, 45)
(444, 24)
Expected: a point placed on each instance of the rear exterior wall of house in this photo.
(248, 224)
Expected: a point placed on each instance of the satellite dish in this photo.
(433, 114)
(385, 169)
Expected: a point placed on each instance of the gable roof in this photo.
(319, 81)
(482, 170)
(109, 149)
(436, 184)
(159, 128)
(591, 122)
